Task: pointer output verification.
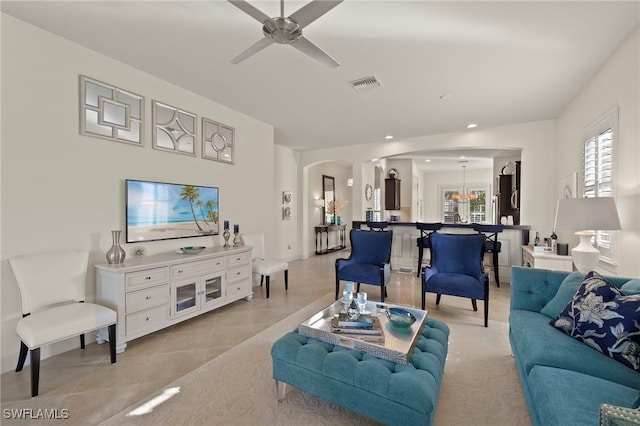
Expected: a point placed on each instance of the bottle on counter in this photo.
(554, 241)
(536, 242)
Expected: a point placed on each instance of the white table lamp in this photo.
(587, 215)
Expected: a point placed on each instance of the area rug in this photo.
(480, 386)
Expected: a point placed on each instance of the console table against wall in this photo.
(321, 229)
(540, 260)
(153, 292)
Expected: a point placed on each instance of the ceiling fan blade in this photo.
(255, 48)
(305, 46)
(250, 10)
(312, 11)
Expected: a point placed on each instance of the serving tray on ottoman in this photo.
(396, 344)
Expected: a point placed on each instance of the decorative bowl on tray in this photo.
(400, 317)
(192, 249)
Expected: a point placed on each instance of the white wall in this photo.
(61, 190)
(286, 244)
(617, 83)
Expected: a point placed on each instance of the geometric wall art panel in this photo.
(109, 112)
(174, 129)
(218, 141)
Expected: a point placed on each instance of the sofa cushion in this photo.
(535, 342)
(565, 397)
(566, 291)
(631, 287)
(603, 318)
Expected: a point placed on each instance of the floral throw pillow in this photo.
(603, 318)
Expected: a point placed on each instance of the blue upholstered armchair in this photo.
(369, 262)
(456, 269)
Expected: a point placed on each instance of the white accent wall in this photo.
(62, 190)
(617, 83)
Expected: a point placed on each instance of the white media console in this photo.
(153, 292)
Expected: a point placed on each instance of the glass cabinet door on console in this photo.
(193, 294)
(212, 292)
(184, 297)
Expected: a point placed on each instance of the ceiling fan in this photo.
(288, 30)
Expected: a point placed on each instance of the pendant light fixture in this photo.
(464, 198)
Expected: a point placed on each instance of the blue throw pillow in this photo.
(566, 291)
(600, 316)
(631, 287)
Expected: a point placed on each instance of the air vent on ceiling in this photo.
(365, 83)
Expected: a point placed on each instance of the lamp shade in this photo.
(597, 214)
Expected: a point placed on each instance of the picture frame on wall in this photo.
(568, 186)
(287, 196)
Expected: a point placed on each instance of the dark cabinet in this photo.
(509, 195)
(392, 194)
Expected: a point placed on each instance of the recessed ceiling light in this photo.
(388, 137)
(472, 125)
(427, 160)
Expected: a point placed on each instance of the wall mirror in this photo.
(173, 129)
(110, 113)
(329, 194)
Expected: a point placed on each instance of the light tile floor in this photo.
(92, 390)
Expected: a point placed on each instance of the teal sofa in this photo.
(564, 380)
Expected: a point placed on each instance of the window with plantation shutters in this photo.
(599, 175)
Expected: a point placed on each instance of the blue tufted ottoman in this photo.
(391, 393)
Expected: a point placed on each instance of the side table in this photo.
(537, 260)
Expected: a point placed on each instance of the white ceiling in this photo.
(498, 63)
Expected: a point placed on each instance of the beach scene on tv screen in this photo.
(160, 211)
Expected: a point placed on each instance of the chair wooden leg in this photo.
(383, 292)
(268, 286)
(337, 286)
(35, 371)
(23, 356)
(82, 341)
(438, 299)
(112, 343)
(420, 254)
(357, 287)
(261, 280)
(495, 268)
(286, 279)
(486, 312)
(474, 304)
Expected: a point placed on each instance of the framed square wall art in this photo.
(174, 129)
(109, 112)
(218, 141)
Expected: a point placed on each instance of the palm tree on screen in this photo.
(191, 193)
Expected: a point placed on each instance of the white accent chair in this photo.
(52, 292)
(262, 266)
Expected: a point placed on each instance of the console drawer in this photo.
(194, 268)
(147, 319)
(239, 259)
(238, 273)
(239, 287)
(146, 278)
(146, 298)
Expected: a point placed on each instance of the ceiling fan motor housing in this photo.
(282, 30)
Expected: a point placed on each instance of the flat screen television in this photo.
(165, 211)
